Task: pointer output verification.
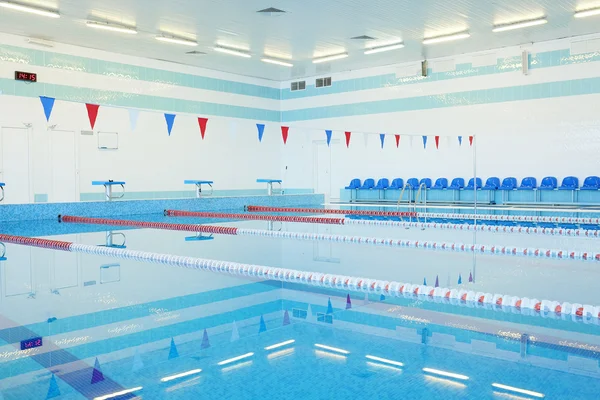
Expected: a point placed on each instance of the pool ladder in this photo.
(423, 189)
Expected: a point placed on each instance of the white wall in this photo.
(147, 159)
(547, 136)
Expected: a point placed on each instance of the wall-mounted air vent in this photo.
(323, 82)
(300, 85)
(363, 37)
(271, 12)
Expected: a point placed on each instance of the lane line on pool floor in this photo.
(390, 288)
(484, 249)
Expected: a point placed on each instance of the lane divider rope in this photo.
(402, 243)
(403, 224)
(330, 211)
(279, 218)
(487, 217)
(466, 298)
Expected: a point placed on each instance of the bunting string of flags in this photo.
(48, 104)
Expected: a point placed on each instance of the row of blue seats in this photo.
(493, 183)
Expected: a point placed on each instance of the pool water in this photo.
(145, 322)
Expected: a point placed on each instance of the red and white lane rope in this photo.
(479, 228)
(388, 242)
(402, 224)
(458, 297)
(486, 217)
(258, 217)
(330, 211)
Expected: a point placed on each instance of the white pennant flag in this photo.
(133, 118)
(232, 130)
(366, 137)
(410, 141)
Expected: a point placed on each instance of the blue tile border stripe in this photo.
(482, 96)
(68, 62)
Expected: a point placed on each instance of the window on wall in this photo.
(323, 82)
(300, 85)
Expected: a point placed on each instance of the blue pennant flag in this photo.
(460, 140)
(261, 130)
(205, 342)
(53, 389)
(133, 118)
(48, 104)
(170, 118)
(424, 142)
(262, 326)
(173, 353)
(329, 307)
(328, 134)
(382, 138)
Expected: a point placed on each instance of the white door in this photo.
(14, 168)
(322, 168)
(63, 164)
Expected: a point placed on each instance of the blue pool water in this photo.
(126, 314)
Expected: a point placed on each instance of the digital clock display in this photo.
(31, 343)
(25, 76)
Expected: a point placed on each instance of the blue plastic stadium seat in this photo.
(413, 183)
(548, 183)
(472, 183)
(508, 184)
(528, 183)
(492, 183)
(368, 184)
(569, 183)
(457, 184)
(440, 183)
(397, 183)
(354, 184)
(426, 182)
(383, 183)
(591, 183)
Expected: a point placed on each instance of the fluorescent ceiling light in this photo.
(381, 49)
(33, 10)
(446, 38)
(110, 27)
(587, 13)
(329, 58)
(181, 375)
(386, 361)
(446, 374)
(118, 394)
(234, 359)
(519, 25)
(233, 52)
(276, 62)
(275, 346)
(322, 346)
(172, 39)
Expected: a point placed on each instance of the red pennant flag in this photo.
(92, 110)
(284, 133)
(470, 140)
(202, 122)
(397, 140)
(348, 138)
(437, 142)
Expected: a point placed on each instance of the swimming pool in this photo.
(171, 332)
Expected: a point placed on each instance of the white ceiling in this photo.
(309, 28)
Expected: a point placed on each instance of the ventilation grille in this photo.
(363, 37)
(300, 85)
(323, 82)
